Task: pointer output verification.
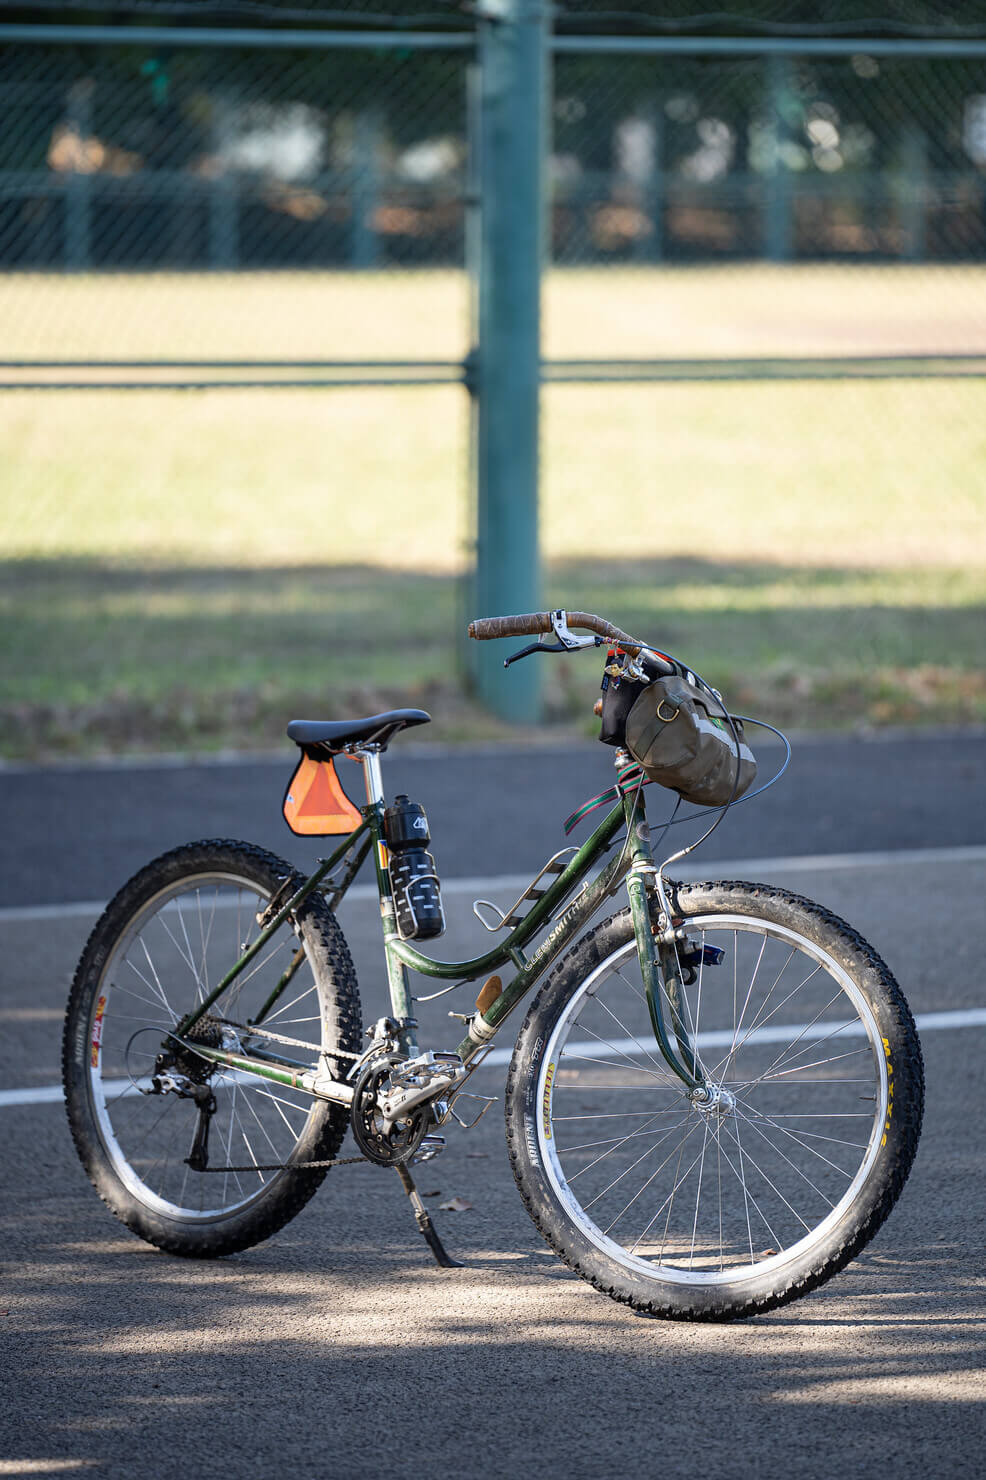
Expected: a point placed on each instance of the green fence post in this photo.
(914, 193)
(365, 189)
(224, 209)
(778, 216)
(513, 91)
(78, 183)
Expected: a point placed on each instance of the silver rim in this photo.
(178, 946)
(720, 1193)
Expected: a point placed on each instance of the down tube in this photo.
(571, 922)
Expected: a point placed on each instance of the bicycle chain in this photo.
(258, 1032)
(293, 1166)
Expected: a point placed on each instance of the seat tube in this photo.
(397, 975)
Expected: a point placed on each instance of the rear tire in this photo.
(167, 938)
(697, 1212)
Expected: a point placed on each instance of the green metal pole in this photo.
(778, 216)
(513, 51)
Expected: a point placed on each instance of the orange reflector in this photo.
(315, 804)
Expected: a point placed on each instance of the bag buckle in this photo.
(667, 718)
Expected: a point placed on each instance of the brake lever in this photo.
(567, 641)
(535, 647)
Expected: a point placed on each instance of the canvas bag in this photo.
(681, 739)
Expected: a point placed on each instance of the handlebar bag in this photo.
(619, 697)
(679, 741)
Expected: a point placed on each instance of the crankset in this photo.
(387, 1142)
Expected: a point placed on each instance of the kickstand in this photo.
(428, 1230)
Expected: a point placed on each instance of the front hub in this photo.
(713, 1099)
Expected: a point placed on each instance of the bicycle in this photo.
(712, 1105)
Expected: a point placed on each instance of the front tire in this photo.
(698, 1211)
(164, 941)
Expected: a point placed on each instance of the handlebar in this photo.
(486, 628)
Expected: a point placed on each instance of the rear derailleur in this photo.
(181, 1071)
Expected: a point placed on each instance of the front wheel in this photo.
(715, 1206)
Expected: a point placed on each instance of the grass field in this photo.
(182, 569)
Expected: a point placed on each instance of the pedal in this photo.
(429, 1149)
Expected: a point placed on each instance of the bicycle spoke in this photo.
(748, 1197)
(758, 1022)
(626, 1172)
(759, 1169)
(568, 1058)
(680, 1179)
(738, 1024)
(205, 935)
(157, 1000)
(626, 1033)
(272, 1016)
(761, 1117)
(793, 1165)
(611, 1140)
(803, 1068)
(604, 1154)
(813, 1041)
(650, 1180)
(698, 1195)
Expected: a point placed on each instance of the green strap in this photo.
(627, 779)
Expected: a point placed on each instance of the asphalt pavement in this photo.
(338, 1348)
(76, 833)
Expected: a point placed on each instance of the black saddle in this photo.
(333, 735)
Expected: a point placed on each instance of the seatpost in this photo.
(369, 758)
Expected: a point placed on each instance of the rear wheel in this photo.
(163, 943)
(717, 1206)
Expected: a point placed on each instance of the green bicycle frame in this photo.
(658, 962)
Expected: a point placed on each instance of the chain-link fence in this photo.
(161, 159)
(130, 157)
(709, 158)
(750, 214)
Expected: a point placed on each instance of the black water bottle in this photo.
(413, 876)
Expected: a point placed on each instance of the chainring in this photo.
(388, 1148)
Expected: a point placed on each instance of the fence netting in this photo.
(130, 159)
(795, 241)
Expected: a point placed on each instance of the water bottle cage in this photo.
(417, 895)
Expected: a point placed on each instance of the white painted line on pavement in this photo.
(736, 868)
(969, 1017)
(974, 1017)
